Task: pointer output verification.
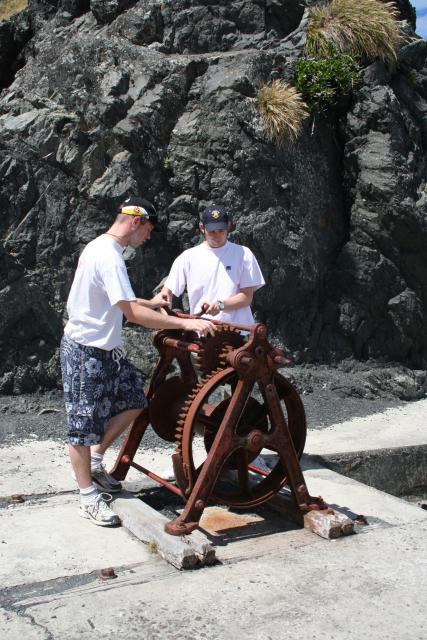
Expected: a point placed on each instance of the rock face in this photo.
(104, 99)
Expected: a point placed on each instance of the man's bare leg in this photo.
(80, 461)
(115, 428)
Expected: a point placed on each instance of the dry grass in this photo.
(282, 111)
(152, 547)
(9, 8)
(365, 29)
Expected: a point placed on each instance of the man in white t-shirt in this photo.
(102, 391)
(221, 276)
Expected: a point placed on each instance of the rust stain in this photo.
(216, 520)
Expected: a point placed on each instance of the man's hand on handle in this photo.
(161, 300)
(210, 307)
(141, 314)
(202, 327)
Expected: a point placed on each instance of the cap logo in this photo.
(215, 214)
(135, 211)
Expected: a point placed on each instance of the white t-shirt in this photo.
(101, 280)
(216, 274)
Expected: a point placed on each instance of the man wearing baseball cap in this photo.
(102, 392)
(221, 276)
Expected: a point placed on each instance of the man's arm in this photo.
(138, 314)
(163, 298)
(175, 282)
(156, 302)
(241, 299)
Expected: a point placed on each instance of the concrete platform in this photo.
(45, 538)
(273, 580)
(387, 451)
(405, 426)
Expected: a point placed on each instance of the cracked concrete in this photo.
(280, 582)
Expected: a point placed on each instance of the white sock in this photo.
(96, 460)
(89, 494)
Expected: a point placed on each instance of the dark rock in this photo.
(104, 99)
(384, 167)
(106, 10)
(143, 24)
(14, 35)
(283, 22)
(414, 54)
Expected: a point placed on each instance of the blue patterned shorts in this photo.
(96, 388)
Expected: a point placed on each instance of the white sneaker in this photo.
(105, 480)
(99, 511)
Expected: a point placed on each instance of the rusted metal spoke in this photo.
(207, 421)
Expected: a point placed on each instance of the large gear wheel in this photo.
(213, 349)
(200, 420)
(166, 405)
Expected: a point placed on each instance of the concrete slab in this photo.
(47, 538)
(270, 583)
(353, 498)
(43, 467)
(405, 426)
(401, 471)
(374, 584)
(35, 467)
(14, 625)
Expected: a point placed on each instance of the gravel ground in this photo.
(330, 394)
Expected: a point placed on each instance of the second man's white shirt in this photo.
(216, 274)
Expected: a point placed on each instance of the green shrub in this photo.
(324, 81)
(365, 29)
(9, 8)
(282, 111)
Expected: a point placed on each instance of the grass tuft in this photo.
(9, 8)
(282, 111)
(152, 547)
(364, 29)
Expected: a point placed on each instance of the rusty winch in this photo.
(221, 400)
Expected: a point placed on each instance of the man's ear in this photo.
(229, 227)
(201, 228)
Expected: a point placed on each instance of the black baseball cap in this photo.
(135, 206)
(214, 218)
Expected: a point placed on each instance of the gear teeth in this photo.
(186, 406)
(210, 350)
(199, 359)
(178, 441)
